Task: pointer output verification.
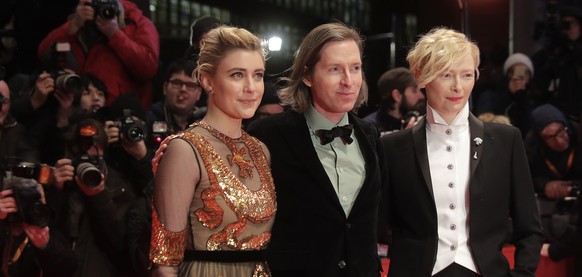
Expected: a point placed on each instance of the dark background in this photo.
(384, 23)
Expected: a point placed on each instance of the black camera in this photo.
(131, 129)
(87, 167)
(56, 62)
(31, 210)
(67, 82)
(409, 115)
(105, 8)
(87, 170)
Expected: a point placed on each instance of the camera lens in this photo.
(89, 174)
(134, 133)
(69, 82)
(107, 11)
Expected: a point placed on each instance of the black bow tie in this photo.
(343, 132)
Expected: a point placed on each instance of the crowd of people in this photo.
(232, 175)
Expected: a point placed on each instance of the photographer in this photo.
(515, 96)
(29, 247)
(45, 104)
(558, 64)
(178, 108)
(105, 187)
(114, 41)
(13, 140)
(556, 167)
(401, 101)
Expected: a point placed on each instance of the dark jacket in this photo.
(311, 235)
(126, 62)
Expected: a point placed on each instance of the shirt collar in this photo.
(316, 121)
(462, 118)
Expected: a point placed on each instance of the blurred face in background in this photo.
(4, 101)
(518, 76)
(555, 136)
(92, 99)
(182, 92)
(573, 30)
(413, 100)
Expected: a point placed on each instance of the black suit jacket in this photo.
(311, 235)
(501, 197)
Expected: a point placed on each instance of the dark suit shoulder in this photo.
(500, 128)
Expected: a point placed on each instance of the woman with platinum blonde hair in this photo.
(457, 187)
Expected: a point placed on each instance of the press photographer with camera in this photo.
(115, 42)
(28, 246)
(178, 108)
(401, 101)
(45, 102)
(99, 190)
(556, 167)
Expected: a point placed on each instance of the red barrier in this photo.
(546, 267)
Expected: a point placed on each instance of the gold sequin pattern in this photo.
(254, 206)
(166, 247)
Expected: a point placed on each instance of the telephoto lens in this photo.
(89, 174)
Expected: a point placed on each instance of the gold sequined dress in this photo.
(212, 193)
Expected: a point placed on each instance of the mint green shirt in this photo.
(343, 163)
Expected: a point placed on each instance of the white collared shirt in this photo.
(448, 147)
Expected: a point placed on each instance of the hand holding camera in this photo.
(7, 203)
(102, 12)
(557, 189)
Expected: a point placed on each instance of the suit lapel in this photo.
(298, 139)
(419, 138)
(370, 160)
(476, 127)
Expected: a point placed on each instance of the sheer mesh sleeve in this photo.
(174, 186)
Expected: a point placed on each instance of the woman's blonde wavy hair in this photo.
(218, 42)
(436, 51)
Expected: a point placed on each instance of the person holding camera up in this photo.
(98, 191)
(515, 96)
(28, 246)
(556, 165)
(115, 42)
(401, 101)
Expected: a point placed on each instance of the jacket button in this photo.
(342, 264)
(348, 226)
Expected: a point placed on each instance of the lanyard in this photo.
(555, 170)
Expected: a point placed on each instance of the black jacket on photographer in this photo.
(40, 124)
(55, 260)
(95, 225)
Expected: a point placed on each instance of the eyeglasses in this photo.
(190, 86)
(4, 100)
(558, 133)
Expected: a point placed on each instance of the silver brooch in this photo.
(478, 141)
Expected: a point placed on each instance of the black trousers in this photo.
(456, 270)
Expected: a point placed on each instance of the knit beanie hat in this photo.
(516, 59)
(545, 114)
